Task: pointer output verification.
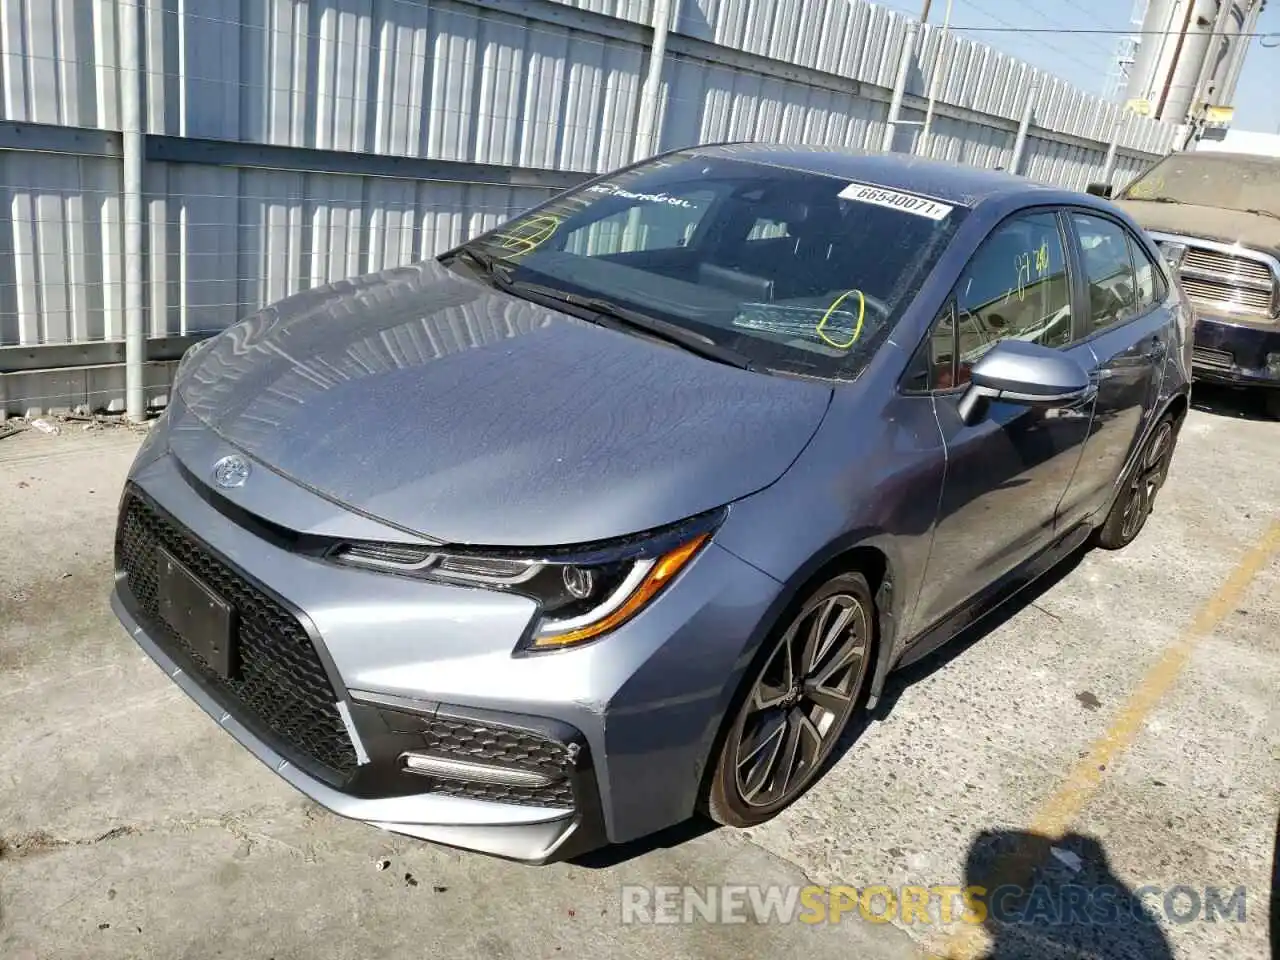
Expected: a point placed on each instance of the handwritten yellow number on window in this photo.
(1022, 264)
(1042, 258)
(857, 331)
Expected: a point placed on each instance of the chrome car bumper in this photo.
(613, 736)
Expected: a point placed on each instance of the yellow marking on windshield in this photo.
(1042, 258)
(1147, 188)
(530, 235)
(857, 331)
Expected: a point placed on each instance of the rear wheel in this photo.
(797, 702)
(1130, 511)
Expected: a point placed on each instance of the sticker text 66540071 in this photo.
(906, 202)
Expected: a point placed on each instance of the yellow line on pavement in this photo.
(1061, 808)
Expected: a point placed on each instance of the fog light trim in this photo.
(446, 769)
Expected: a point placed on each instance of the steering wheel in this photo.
(876, 304)
(845, 301)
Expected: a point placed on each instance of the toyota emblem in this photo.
(231, 471)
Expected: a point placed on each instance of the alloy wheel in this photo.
(1147, 481)
(800, 701)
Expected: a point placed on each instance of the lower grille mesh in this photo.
(476, 742)
(281, 690)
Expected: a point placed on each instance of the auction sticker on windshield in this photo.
(906, 202)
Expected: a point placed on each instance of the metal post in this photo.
(923, 149)
(647, 119)
(900, 85)
(1212, 60)
(1226, 93)
(135, 343)
(1109, 167)
(1173, 64)
(1020, 143)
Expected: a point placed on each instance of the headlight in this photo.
(582, 592)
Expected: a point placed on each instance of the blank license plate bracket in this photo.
(204, 620)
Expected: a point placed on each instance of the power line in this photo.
(1008, 27)
(1117, 33)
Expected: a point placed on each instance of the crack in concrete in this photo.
(37, 842)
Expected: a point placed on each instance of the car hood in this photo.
(436, 403)
(1208, 223)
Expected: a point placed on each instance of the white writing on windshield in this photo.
(647, 197)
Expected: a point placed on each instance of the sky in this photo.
(1085, 59)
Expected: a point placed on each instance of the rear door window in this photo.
(1148, 288)
(1108, 271)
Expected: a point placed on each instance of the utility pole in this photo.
(900, 86)
(923, 149)
(648, 141)
(924, 12)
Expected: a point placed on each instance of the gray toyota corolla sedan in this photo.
(617, 512)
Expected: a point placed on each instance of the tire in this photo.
(1271, 403)
(807, 682)
(1130, 511)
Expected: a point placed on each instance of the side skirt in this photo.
(1003, 590)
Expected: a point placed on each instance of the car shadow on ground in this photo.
(1228, 402)
(617, 854)
(1046, 898)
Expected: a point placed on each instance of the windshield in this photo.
(1212, 180)
(797, 272)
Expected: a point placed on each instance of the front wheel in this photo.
(796, 704)
(1130, 511)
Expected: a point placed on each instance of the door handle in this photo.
(1156, 350)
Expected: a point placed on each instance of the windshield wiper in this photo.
(487, 262)
(1264, 213)
(613, 315)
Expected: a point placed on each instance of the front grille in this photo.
(1217, 294)
(477, 742)
(281, 690)
(1227, 281)
(1228, 266)
(1219, 359)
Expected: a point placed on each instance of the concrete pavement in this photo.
(131, 826)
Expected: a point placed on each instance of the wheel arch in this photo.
(867, 552)
(1178, 407)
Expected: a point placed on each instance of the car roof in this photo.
(942, 180)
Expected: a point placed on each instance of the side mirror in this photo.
(1017, 371)
(1104, 190)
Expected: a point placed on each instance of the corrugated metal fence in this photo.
(289, 143)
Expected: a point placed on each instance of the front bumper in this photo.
(524, 833)
(621, 727)
(1235, 353)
